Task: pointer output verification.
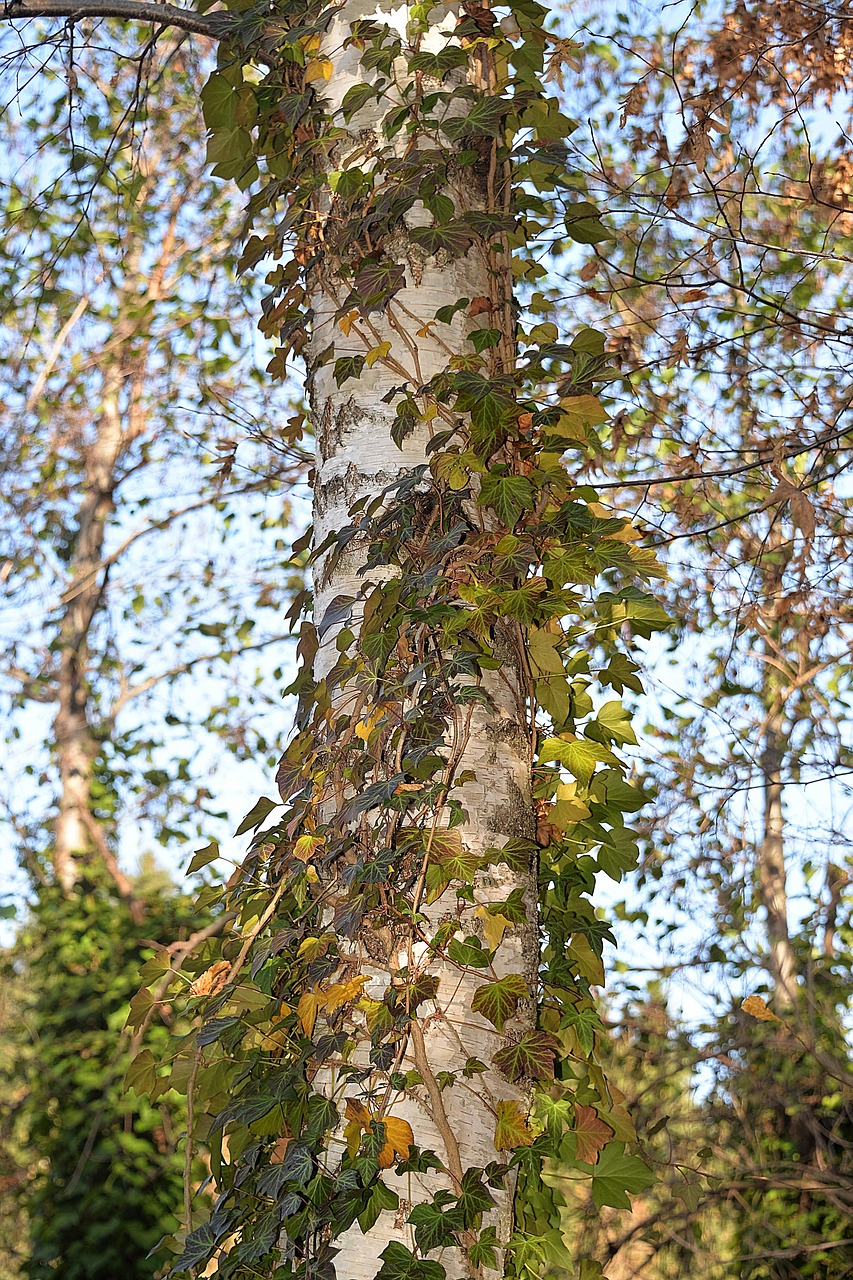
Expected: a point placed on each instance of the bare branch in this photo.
(215, 25)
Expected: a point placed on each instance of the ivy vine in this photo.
(487, 561)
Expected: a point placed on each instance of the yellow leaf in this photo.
(579, 412)
(357, 1111)
(365, 727)
(306, 1011)
(511, 1130)
(377, 353)
(494, 926)
(305, 847)
(359, 1119)
(318, 69)
(311, 948)
(757, 1008)
(342, 993)
(398, 1138)
(346, 322)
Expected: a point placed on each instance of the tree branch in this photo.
(215, 25)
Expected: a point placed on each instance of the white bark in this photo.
(356, 457)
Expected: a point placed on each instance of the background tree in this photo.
(729, 269)
(130, 439)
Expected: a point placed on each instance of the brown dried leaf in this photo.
(757, 1008)
(212, 980)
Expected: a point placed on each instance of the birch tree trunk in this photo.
(356, 461)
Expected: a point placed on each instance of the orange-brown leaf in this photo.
(212, 980)
(591, 1133)
(757, 1008)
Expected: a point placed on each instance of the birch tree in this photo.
(414, 940)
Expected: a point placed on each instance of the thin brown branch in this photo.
(216, 25)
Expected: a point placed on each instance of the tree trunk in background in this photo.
(771, 850)
(771, 861)
(357, 459)
(76, 743)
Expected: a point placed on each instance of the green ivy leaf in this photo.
(259, 812)
(615, 722)
(399, 1263)
(530, 1058)
(203, 857)
(469, 954)
(485, 117)
(475, 1198)
(356, 98)
(434, 1228)
(348, 367)
(584, 225)
(483, 339)
(376, 282)
(616, 1175)
(438, 64)
(483, 1252)
(381, 1197)
(453, 240)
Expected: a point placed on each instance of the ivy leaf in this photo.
(591, 1133)
(453, 240)
(356, 98)
(306, 1011)
(483, 339)
(298, 1164)
(399, 1263)
(485, 117)
(381, 1197)
(245, 1111)
(497, 1001)
(376, 282)
(469, 954)
(554, 1113)
(584, 225)
(212, 1030)
(578, 413)
(475, 1198)
(438, 64)
(507, 495)
(399, 1140)
(483, 1252)
(579, 757)
(511, 1130)
(197, 1247)
(219, 102)
(142, 1073)
(616, 1175)
(616, 723)
(494, 926)
(531, 1057)
(434, 1228)
(445, 315)
(511, 908)
(462, 865)
(203, 857)
(261, 810)
(348, 367)
(543, 648)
